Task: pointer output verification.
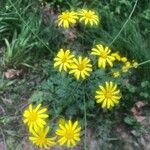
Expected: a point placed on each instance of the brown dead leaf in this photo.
(10, 73)
(48, 15)
(70, 35)
(137, 111)
(140, 118)
(140, 104)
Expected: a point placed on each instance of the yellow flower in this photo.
(104, 56)
(126, 66)
(35, 117)
(108, 96)
(67, 18)
(135, 64)
(124, 59)
(40, 139)
(116, 74)
(116, 55)
(61, 121)
(81, 67)
(89, 17)
(63, 60)
(69, 133)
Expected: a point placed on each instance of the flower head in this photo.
(104, 54)
(135, 64)
(81, 67)
(35, 117)
(63, 60)
(124, 59)
(116, 74)
(39, 138)
(67, 18)
(108, 95)
(126, 66)
(69, 133)
(116, 55)
(88, 17)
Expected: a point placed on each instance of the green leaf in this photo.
(130, 120)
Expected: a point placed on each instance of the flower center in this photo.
(65, 16)
(33, 116)
(42, 139)
(88, 15)
(64, 59)
(108, 95)
(69, 134)
(103, 55)
(81, 67)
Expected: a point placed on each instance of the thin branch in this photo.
(124, 24)
(85, 124)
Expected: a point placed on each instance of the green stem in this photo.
(124, 24)
(144, 62)
(30, 28)
(85, 124)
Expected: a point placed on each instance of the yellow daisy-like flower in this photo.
(81, 67)
(63, 60)
(88, 17)
(35, 117)
(104, 54)
(69, 133)
(108, 96)
(126, 66)
(40, 139)
(65, 19)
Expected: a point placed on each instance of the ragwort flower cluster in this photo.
(67, 133)
(108, 95)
